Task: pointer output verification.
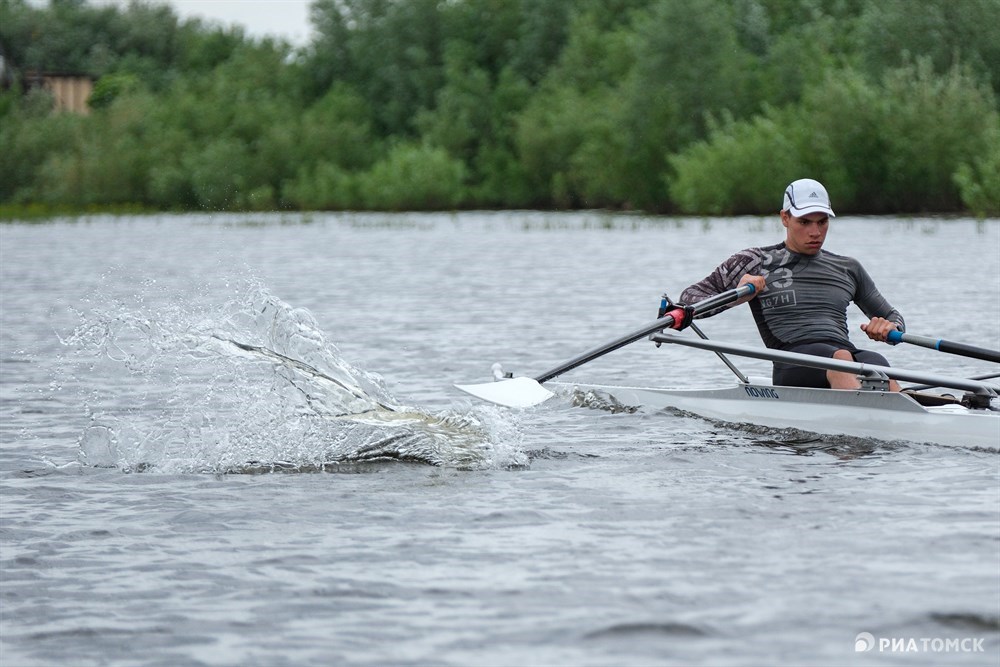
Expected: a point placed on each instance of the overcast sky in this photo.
(281, 18)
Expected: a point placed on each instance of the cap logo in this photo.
(814, 196)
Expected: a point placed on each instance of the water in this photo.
(232, 440)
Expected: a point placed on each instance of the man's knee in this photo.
(843, 355)
(839, 379)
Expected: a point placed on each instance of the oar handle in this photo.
(665, 322)
(941, 345)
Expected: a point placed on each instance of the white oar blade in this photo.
(522, 392)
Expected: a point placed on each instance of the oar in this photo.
(827, 363)
(922, 387)
(962, 349)
(523, 392)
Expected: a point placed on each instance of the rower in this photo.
(802, 293)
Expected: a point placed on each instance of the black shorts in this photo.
(802, 376)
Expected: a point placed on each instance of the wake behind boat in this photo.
(969, 419)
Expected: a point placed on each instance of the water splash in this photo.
(255, 385)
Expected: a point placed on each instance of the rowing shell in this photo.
(870, 412)
(863, 413)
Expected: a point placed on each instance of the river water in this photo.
(233, 440)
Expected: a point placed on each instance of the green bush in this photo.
(325, 186)
(896, 146)
(106, 161)
(109, 87)
(742, 167)
(219, 174)
(28, 136)
(502, 180)
(933, 125)
(410, 177)
(549, 132)
(413, 177)
(979, 179)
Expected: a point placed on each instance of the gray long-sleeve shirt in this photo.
(807, 295)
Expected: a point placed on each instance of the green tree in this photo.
(892, 33)
(471, 120)
(572, 136)
(689, 65)
(655, 104)
(389, 51)
(913, 142)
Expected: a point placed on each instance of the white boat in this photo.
(972, 420)
(866, 413)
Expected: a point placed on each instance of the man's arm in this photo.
(883, 317)
(738, 270)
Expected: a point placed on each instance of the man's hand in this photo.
(878, 328)
(758, 286)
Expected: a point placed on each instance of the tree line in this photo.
(670, 106)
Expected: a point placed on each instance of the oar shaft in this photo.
(948, 346)
(664, 322)
(829, 363)
(921, 387)
(590, 355)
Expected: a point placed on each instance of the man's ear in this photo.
(784, 219)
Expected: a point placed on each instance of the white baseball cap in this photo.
(806, 196)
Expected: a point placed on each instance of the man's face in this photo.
(805, 235)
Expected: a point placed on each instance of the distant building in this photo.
(70, 91)
(5, 76)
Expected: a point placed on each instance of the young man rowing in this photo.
(802, 293)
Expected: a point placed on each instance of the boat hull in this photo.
(862, 413)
